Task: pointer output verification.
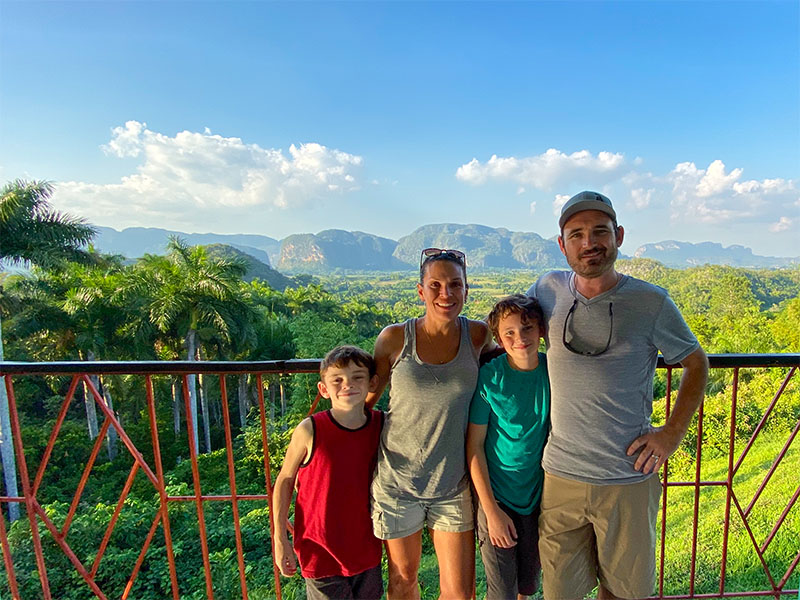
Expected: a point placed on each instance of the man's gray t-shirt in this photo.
(600, 404)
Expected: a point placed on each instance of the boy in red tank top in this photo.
(329, 461)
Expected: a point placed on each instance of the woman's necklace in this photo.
(433, 374)
(430, 341)
(433, 346)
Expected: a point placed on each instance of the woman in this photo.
(420, 478)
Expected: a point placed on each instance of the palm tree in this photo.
(97, 319)
(187, 291)
(32, 232)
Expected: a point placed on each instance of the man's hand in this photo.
(660, 443)
(654, 448)
(284, 557)
(502, 532)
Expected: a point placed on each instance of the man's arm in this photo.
(502, 532)
(299, 448)
(662, 442)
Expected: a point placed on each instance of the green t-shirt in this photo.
(515, 407)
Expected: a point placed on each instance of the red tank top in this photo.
(332, 523)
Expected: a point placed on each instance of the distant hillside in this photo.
(134, 242)
(255, 268)
(681, 255)
(485, 247)
(337, 249)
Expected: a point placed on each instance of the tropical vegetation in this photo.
(195, 304)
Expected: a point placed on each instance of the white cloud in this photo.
(560, 200)
(201, 172)
(783, 224)
(641, 198)
(713, 196)
(544, 171)
(533, 207)
(715, 181)
(126, 140)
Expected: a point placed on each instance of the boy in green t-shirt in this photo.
(508, 426)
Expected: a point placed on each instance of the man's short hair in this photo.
(529, 309)
(341, 356)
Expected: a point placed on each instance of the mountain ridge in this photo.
(486, 248)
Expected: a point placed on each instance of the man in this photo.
(604, 332)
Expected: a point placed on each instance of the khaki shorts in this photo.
(590, 534)
(394, 518)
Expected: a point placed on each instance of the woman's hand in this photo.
(502, 532)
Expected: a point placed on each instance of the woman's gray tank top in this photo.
(421, 455)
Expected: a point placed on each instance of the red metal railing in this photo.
(737, 508)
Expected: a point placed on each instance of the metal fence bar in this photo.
(696, 502)
(30, 501)
(48, 523)
(763, 420)
(664, 488)
(98, 443)
(729, 483)
(7, 560)
(53, 434)
(262, 413)
(772, 468)
(114, 517)
(162, 492)
(232, 482)
(754, 542)
(142, 554)
(201, 518)
(781, 519)
(137, 456)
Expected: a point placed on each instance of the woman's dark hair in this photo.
(444, 255)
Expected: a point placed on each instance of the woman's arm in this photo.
(387, 348)
(502, 532)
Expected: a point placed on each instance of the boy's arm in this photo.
(502, 532)
(387, 347)
(299, 448)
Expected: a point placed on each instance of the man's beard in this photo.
(597, 265)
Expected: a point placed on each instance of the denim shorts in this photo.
(394, 517)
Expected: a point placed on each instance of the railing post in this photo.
(268, 477)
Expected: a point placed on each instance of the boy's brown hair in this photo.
(341, 356)
(528, 307)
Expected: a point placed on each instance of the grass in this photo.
(744, 570)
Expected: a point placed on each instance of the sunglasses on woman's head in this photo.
(434, 252)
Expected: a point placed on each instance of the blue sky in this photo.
(280, 118)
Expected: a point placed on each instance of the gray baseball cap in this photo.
(586, 201)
